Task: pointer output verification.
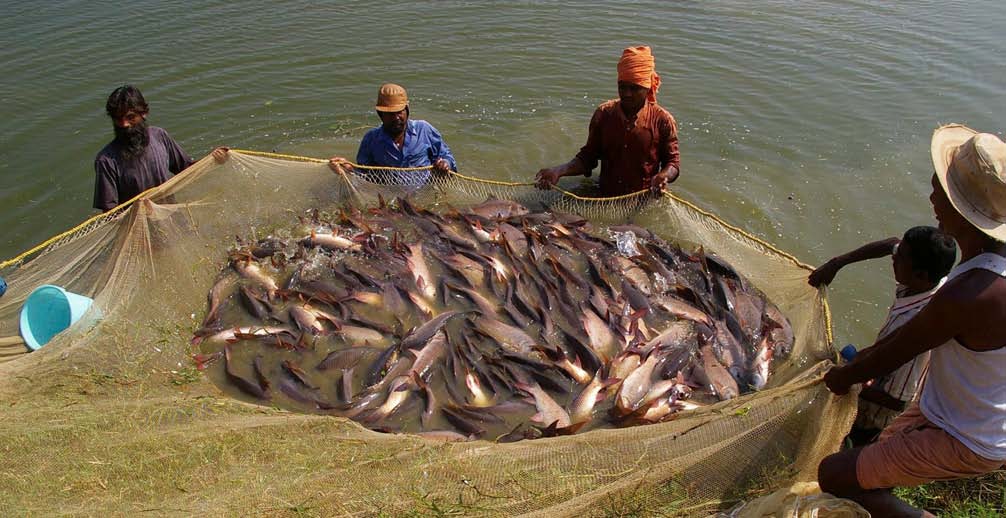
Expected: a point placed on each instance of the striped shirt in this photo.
(904, 383)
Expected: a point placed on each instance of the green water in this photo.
(806, 123)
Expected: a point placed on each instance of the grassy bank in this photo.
(983, 497)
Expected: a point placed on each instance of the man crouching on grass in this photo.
(958, 427)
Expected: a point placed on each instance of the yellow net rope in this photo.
(112, 418)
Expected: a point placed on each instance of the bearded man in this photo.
(634, 138)
(140, 157)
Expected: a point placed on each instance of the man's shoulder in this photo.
(608, 106)
(372, 133)
(158, 133)
(661, 112)
(421, 125)
(109, 154)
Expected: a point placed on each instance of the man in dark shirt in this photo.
(634, 138)
(140, 157)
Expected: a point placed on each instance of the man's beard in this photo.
(133, 140)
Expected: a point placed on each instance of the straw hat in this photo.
(971, 167)
(391, 98)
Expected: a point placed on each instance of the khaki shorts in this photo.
(913, 451)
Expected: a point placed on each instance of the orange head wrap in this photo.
(636, 66)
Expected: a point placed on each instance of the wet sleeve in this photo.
(669, 154)
(439, 149)
(365, 155)
(106, 188)
(178, 160)
(590, 153)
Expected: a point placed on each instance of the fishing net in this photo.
(112, 418)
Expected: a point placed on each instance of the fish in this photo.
(582, 408)
(680, 308)
(715, 375)
(484, 304)
(235, 334)
(330, 242)
(255, 303)
(467, 268)
(253, 272)
(305, 320)
(297, 373)
(359, 336)
(603, 341)
(267, 247)
(215, 296)
(479, 397)
(508, 337)
(421, 271)
(398, 392)
(247, 386)
(549, 413)
(760, 363)
(636, 385)
(498, 209)
(430, 397)
(426, 357)
(633, 273)
(424, 332)
(490, 321)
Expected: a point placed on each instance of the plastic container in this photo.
(848, 352)
(48, 311)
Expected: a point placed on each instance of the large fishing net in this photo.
(112, 417)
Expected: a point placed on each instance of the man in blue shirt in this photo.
(399, 142)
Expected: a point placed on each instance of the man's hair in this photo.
(933, 252)
(123, 99)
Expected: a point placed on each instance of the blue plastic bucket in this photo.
(49, 310)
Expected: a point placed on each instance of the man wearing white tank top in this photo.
(958, 428)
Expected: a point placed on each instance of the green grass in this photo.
(972, 498)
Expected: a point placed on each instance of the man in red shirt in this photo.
(635, 139)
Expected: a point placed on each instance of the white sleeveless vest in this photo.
(965, 390)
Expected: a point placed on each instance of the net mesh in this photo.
(112, 418)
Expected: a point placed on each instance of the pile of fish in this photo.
(488, 322)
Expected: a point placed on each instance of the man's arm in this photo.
(549, 176)
(178, 159)
(825, 273)
(106, 187)
(441, 152)
(669, 154)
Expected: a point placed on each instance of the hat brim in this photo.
(392, 109)
(946, 140)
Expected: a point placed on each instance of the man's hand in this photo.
(221, 154)
(659, 182)
(546, 178)
(338, 164)
(835, 380)
(441, 166)
(824, 274)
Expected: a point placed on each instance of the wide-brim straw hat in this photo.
(391, 98)
(971, 167)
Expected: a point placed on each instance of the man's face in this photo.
(394, 122)
(947, 216)
(633, 96)
(129, 119)
(131, 132)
